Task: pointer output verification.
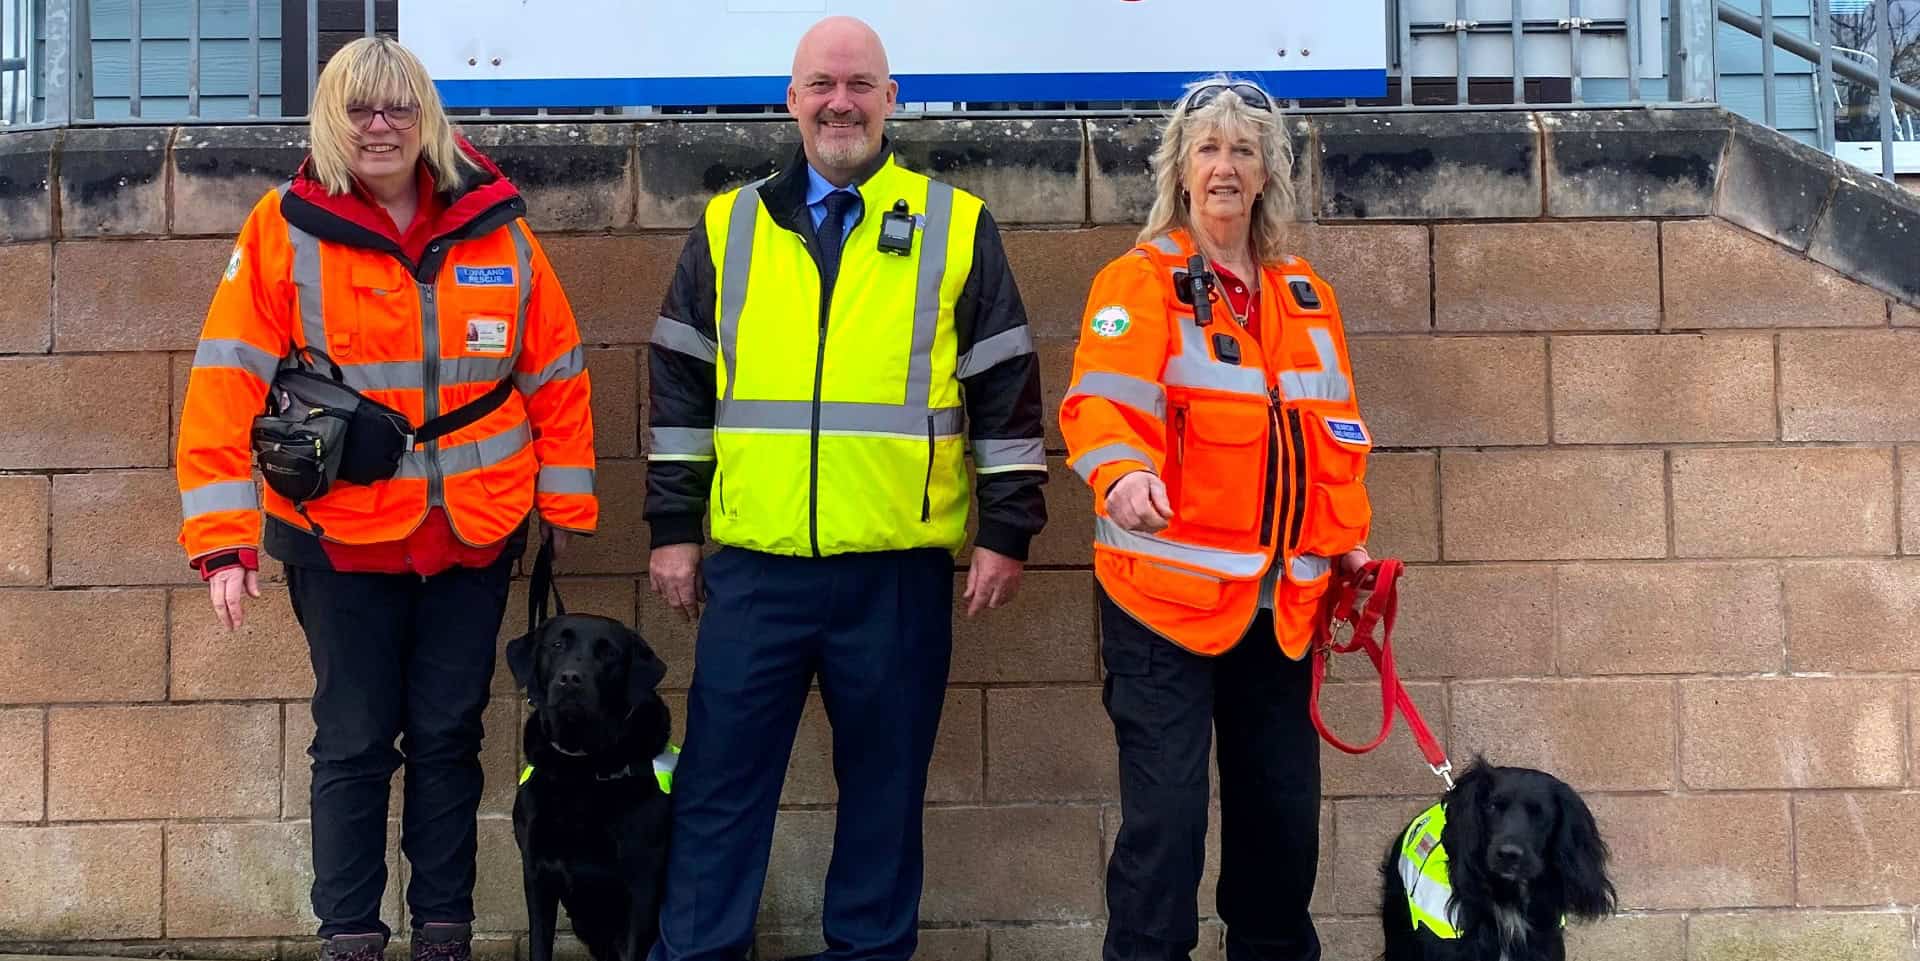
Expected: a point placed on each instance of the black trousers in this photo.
(1165, 703)
(877, 631)
(397, 656)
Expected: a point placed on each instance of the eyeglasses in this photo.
(400, 117)
(1249, 94)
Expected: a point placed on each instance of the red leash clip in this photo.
(1379, 580)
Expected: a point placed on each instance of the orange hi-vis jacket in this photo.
(1259, 441)
(424, 338)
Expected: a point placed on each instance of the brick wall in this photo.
(1648, 438)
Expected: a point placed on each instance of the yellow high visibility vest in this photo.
(839, 426)
(1424, 874)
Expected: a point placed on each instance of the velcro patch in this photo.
(1347, 431)
(483, 276)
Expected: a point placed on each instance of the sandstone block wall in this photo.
(1643, 385)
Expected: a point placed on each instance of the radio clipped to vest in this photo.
(317, 431)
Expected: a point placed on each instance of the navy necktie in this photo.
(832, 226)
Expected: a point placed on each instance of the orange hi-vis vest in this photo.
(485, 306)
(1259, 441)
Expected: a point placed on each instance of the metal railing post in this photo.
(68, 62)
(1691, 72)
(1883, 35)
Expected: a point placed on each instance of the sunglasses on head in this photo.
(1249, 94)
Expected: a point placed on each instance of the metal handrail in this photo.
(1880, 79)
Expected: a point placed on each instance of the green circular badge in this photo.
(1111, 321)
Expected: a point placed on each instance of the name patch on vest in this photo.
(483, 276)
(1347, 431)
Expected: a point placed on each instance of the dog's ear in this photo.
(645, 669)
(522, 660)
(1580, 856)
(1465, 835)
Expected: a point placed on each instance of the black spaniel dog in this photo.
(1516, 856)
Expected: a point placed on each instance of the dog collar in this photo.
(664, 765)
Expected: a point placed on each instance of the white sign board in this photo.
(531, 53)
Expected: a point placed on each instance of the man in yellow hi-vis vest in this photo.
(837, 343)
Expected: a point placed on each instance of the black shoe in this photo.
(443, 942)
(354, 947)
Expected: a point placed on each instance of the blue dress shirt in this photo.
(817, 190)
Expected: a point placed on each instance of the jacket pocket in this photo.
(1221, 449)
(1338, 509)
(381, 309)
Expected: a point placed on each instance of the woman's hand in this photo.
(1353, 561)
(228, 587)
(1138, 502)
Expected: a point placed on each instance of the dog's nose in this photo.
(1508, 854)
(569, 678)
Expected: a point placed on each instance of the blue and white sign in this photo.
(513, 53)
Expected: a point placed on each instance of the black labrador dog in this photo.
(592, 813)
(1517, 855)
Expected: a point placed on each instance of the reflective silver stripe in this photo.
(1307, 568)
(680, 443)
(1144, 396)
(465, 457)
(564, 480)
(384, 375)
(837, 416)
(306, 281)
(564, 367)
(1430, 896)
(999, 455)
(1228, 563)
(926, 300)
(676, 336)
(995, 350)
(523, 278)
(1327, 383)
(1092, 460)
(1195, 366)
(737, 260)
(473, 370)
(236, 354)
(1166, 245)
(239, 495)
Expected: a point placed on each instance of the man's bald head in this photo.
(841, 95)
(840, 39)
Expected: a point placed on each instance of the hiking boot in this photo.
(354, 947)
(443, 942)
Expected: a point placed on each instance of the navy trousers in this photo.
(877, 631)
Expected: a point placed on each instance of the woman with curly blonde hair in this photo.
(1212, 412)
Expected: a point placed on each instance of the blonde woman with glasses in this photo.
(394, 270)
(1212, 411)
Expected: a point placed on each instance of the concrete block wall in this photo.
(1642, 385)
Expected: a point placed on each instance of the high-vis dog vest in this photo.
(1424, 874)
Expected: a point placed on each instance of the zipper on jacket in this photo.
(1299, 477)
(1275, 470)
(813, 459)
(926, 492)
(720, 490)
(430, 354)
